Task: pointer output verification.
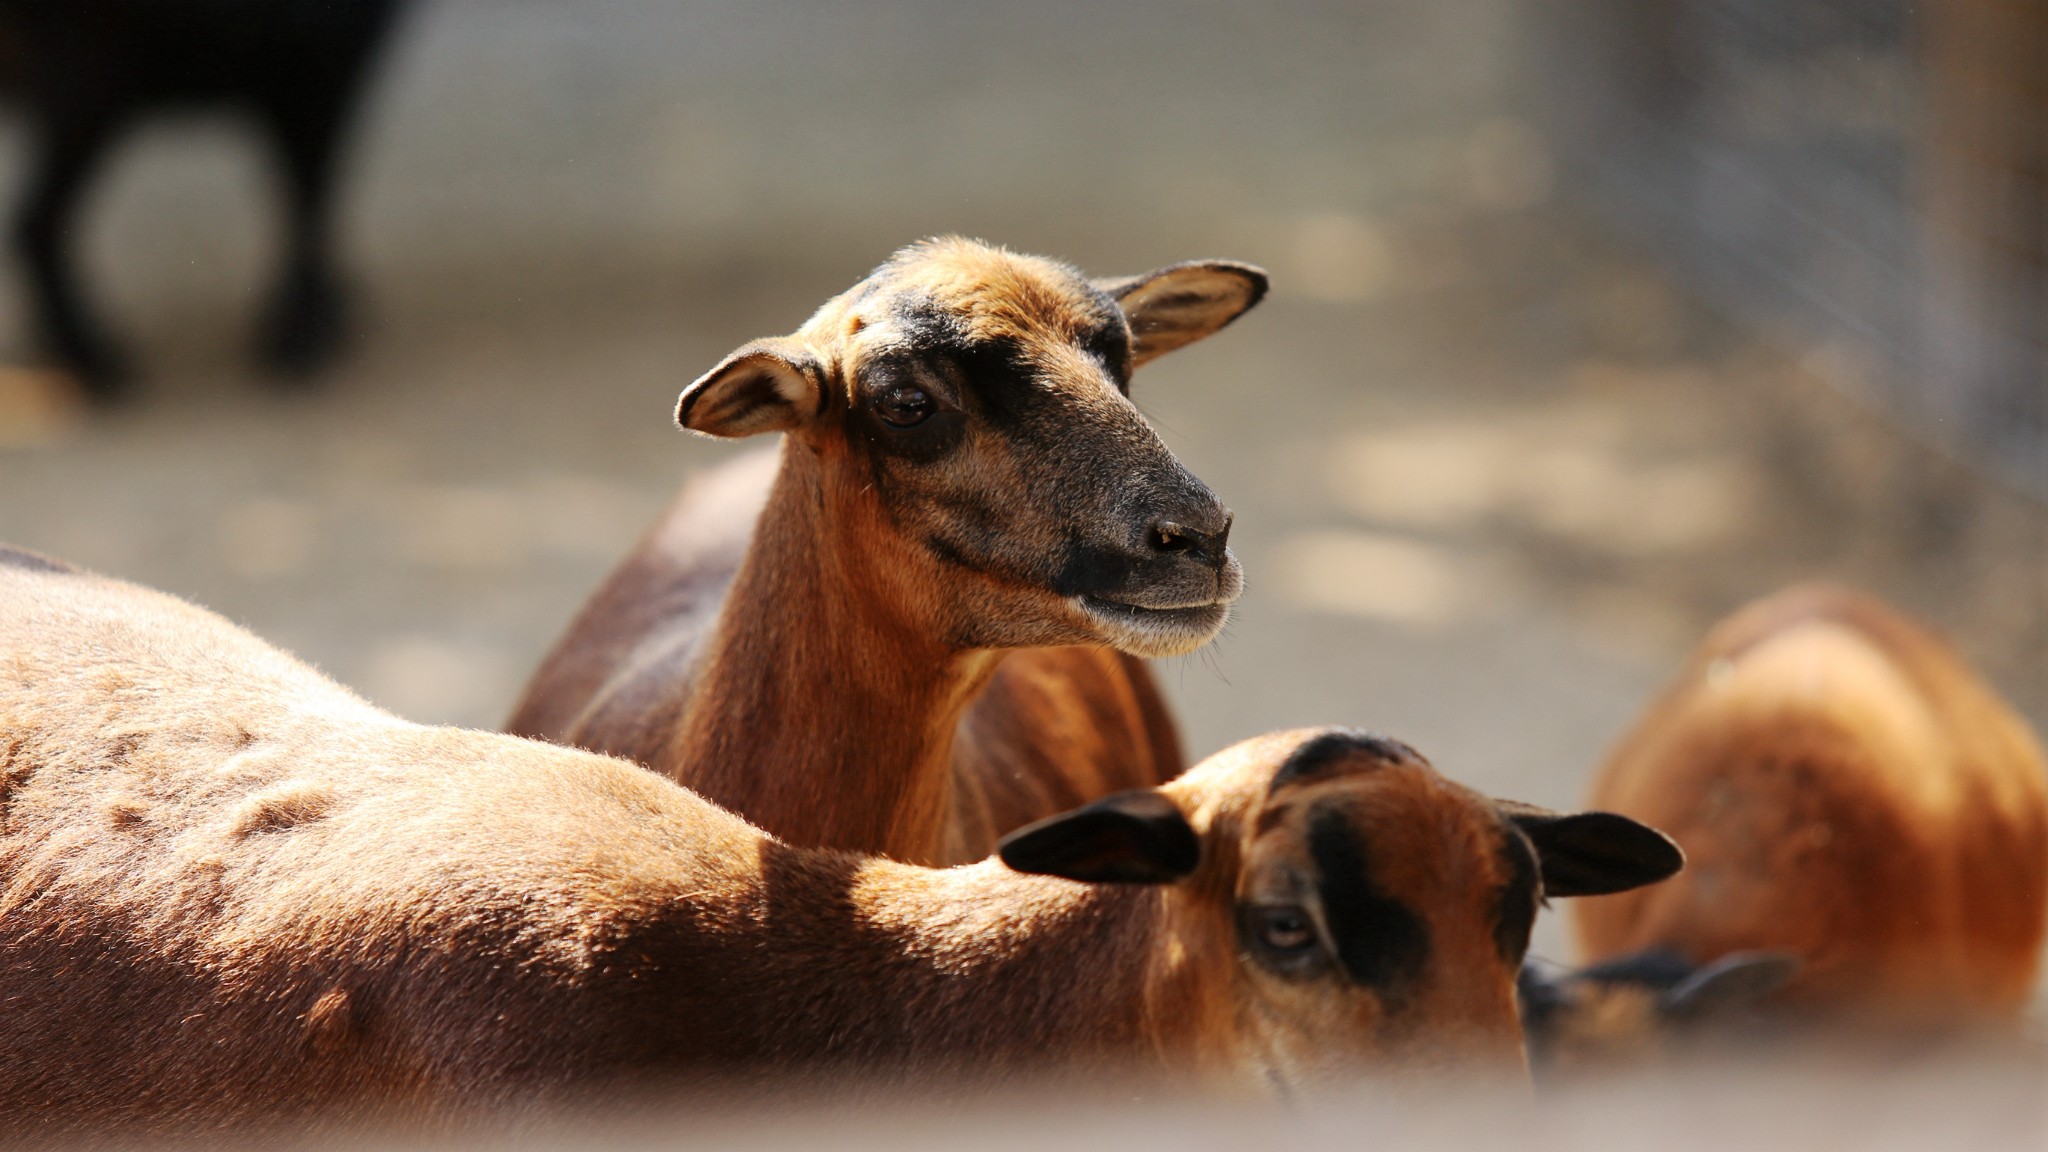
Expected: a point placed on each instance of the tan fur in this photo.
(1603, 1028)
(799, 615)
(1848, 791)
(328, 912)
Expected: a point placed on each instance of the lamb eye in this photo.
(1284, 930)
(904, 406)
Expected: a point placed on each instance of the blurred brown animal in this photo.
(1848, 793)
(232, 892)
(961, 473)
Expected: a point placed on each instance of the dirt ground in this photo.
(1494, 472)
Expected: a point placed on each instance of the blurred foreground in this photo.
(1978, 1105)
(1967, 1099)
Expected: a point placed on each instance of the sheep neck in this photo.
(826, 707)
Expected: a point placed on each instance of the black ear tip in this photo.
(1258, 279)
(1597, 853)
(1660, 854)
(1650, 854)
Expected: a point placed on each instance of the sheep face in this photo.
(1638, 1008)
(1374, 914)
(963, 412)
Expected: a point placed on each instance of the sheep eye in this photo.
(1285, 931)
(904, 406)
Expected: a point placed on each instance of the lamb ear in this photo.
(1175, 306)
(1735, 981)
(769, 385)
(1594, 853)
(1135, 837)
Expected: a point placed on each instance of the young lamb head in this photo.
(1643, 1006)
(964, 415)
(1373, 914)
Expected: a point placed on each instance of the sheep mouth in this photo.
(1143, 630)
(1130, 611)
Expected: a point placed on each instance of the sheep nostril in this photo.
(1170, 537)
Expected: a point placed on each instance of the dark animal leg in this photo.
(307, 321)
(69, 146)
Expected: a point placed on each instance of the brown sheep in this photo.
(1849, 794)
(961, 474)
(232, 892)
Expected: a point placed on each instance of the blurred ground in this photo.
(1493, 474)
(1729, 1104)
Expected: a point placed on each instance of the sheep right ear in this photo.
(1593, 853)
(767, 386)
(1174, 306)
(1135, 837)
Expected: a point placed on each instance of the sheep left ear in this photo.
(1175, 306)
(1135, 837)
(1594, 853)
(769, 385)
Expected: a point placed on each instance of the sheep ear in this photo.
(1735, 981)
(1541, 988)
(1135, 837)
(1594, 853)
(1175, 306)
(766, 386)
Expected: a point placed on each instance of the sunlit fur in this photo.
(230, 890)
(1848, 791)
(838, 612)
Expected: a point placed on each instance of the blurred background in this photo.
(1591, 320)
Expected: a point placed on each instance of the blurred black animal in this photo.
(87, 70)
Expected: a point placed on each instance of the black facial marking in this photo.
(1001, 383)
(921, 443)
(1514, 911)
(1090, 569)
(925, 443)
(1381, 943)
(1283, 939)
(1322, 756)
(947, 553)
(1110, 342)
(11, 557)
(996, 380)
(972, 534)
(925, 323)
(1004, 393)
